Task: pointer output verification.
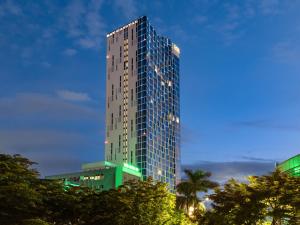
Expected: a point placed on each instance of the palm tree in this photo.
(195, 182)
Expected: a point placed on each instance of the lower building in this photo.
(99, 176)
(291, 166)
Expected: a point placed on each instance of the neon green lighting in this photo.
(131, 167)
(291, 166)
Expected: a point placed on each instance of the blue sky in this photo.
(240, 79)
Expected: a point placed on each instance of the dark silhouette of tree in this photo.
(195, 182)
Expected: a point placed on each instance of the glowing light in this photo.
(191, 211)
(175, 50)
(131, 167)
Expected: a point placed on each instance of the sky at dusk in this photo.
(239, 68)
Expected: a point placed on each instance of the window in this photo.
(120, 82)
(119, 143)
(131, 66)
(131, 128)
(120, 53)
(131, 97)
(120, 110)
(126, 33)
(112, 119)
(112, 91)
(125, 65)
(111, 150)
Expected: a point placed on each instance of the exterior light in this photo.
(159, 172)
(131, 167)
(191, 211)
(175, 50)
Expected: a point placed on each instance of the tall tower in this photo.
(142, 101)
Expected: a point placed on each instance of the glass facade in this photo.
(158, 108)
(291, 166)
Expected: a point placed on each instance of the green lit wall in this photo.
(99, 176)
(291, 166)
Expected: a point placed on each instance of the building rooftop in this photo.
(291, 165)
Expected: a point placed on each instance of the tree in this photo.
(135, 203)
(195, 182)
(272, 199)
(234, 204)
(18, 195)
(279, 193)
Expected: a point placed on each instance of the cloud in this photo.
(73, 96)
(222, 171)
(127, 8)
(269, 6)
(233, 16)
(200, 19)
(70, 52)
(266, 124)
(258, 159)
(10, 8)
(83, 23)
(35, 105)
(34, 140)
(56, 133)
(55, 151)
(287, 52)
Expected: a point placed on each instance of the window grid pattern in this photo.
(158, 112)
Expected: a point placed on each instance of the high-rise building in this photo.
(142, 101)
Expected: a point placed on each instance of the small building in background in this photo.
(291, 166)
(99, 176)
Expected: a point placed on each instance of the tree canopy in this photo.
(26, 199)
(273, 198)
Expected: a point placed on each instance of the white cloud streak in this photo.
(84, 24)
(70, 52)
(73, 96)
(36, 105)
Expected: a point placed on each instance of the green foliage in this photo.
(18, 194)
(26, 199)
(135, 203)
(34, 222)
(271, 199)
